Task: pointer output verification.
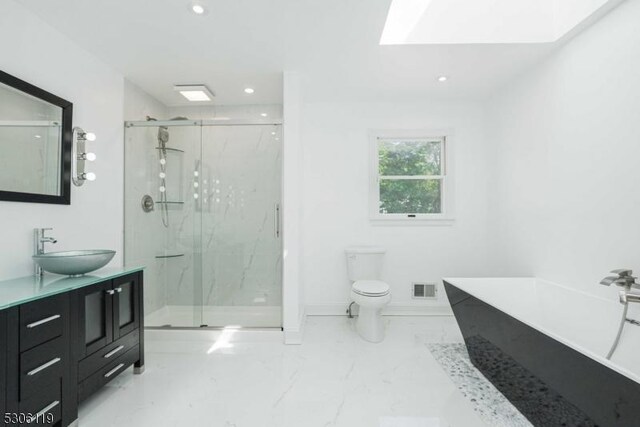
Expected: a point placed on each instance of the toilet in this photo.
(364, 266)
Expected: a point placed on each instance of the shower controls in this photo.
(147, 203)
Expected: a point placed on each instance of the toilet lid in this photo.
(372, 288)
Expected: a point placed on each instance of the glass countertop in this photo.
(24, 289)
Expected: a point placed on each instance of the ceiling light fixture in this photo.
(443, 79)
(249, 90)
(195, 93)
(263, 114)
(198, 9)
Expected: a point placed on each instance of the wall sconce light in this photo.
(80, 156)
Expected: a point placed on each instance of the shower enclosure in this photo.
(202, 213)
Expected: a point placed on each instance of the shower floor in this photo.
(215, 316)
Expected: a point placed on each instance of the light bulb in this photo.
(196, 185)
(195, 173)
(197, 9)
(162, 189)
(90, 156)
(90, 176)
(195, 195)
(249, 90)
(163, 161)
(162, 175)
(264, 114)
(273, 133)
(90, 136)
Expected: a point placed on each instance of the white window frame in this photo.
(447, 202)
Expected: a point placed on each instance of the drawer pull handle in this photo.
(112, 352)
(114, 370)
(43, 367)
(43, 321)
(40, 415)
(111, 291)
(118, 290)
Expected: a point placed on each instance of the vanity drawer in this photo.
(107, 373)
(42, 320)
(97, 360)
(40, 366)
(45, 406)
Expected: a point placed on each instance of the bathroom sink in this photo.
(74, 263)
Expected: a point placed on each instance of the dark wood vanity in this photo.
(73, 337)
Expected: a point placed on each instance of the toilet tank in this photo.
(364, 262)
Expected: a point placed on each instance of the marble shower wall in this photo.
(241, 190)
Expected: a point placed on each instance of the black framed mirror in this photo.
(35, 143)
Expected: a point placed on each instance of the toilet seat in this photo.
(370, 288)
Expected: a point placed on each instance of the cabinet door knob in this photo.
(110, 291)
(118, 290)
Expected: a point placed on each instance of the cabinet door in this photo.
(126, 315)
(95, 317)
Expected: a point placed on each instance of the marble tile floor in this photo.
(238, 378)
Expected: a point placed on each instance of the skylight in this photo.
(485, 21)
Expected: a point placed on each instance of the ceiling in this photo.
(333, 44)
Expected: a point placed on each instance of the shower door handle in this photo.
(277, 219)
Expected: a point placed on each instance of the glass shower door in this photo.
(162, 229)
(240, 178)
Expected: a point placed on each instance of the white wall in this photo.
(567, 150)
(35, 52)
(293, 313)
(335, 202)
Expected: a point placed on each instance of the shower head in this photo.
(163, 136)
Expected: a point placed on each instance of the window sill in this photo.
(422, 222)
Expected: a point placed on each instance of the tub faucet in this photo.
(623, 277)
(39, 239)
(626, 279)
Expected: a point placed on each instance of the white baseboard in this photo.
(340, 309)
(293, 336)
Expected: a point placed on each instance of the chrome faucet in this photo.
(39, 239)
(624, 278)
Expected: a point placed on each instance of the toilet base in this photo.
(369, 324)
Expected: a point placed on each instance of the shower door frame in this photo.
(215, 123)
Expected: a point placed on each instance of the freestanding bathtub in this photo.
(543, 346)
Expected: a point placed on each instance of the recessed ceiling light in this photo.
(263, 114)
(195, 93)
(249, 90)
(443, 78)
(198, 9)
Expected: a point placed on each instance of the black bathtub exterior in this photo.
(550, 383)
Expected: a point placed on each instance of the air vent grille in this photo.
(424, 290)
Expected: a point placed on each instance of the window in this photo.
(409, 179)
